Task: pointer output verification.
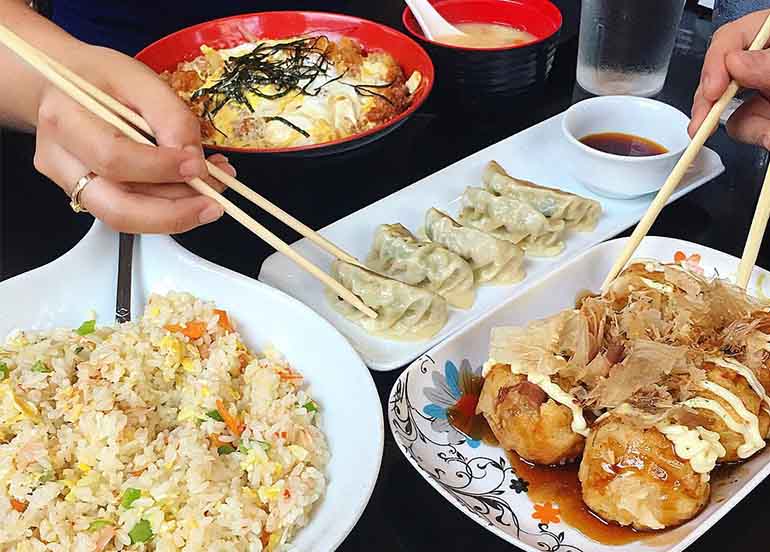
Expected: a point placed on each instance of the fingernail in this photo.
(218, 158)
(191, 168)
(228, 168)
(210, 214)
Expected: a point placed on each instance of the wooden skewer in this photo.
(756, 233)
(677, 173)
(29, 54)
(138, 121)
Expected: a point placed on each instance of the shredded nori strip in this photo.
(363, 90)
(289, 124)
(304, 59)
(252, 72)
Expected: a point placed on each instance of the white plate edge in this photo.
(99, 233)
(529, 282)
(702, 526)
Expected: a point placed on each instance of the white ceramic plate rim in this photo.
(278, 271)
(703, 524)
(100, 239)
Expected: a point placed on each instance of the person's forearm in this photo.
(22, 85)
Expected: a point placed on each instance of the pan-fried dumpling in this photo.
(403, 311)
(493, 260)
(577, 212)
(513, 220)
(398, 254)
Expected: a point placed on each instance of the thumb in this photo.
(750, 69)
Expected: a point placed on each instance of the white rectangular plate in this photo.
(532, 154)
(477, 478)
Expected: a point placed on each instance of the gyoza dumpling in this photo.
(577, 212)
(398, 254)
(493, 260)
(513, 220)
(403, 311)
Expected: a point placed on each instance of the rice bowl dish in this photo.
(163, 434)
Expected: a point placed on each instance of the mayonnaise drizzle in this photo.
(544, 382)
(652, 284)
(753, 441)
(579, 424)
(650, 265)
(699, 446)
(744, 371)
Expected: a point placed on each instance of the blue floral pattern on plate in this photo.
(447, 390)
(474, 476)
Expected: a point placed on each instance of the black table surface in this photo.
(405, 513)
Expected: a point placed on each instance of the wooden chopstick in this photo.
(30, 54)
(677, 173)
(138, 121)
(756, 233)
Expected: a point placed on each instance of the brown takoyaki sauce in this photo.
(560, 485)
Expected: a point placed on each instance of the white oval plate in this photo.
(62, 293)
(477, 478)
(537, 154)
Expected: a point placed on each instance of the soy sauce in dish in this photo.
(619, 143)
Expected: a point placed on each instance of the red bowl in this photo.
(476, 75)
(184, 45)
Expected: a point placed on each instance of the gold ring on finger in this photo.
(77, 191)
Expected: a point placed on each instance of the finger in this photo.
(751, 122)
(223, 163)
(150, 214)
(179, 190)
(118, 207)
(105, 150)
(750, 69)
(733, 37)
(176, 190)
(170, 119)
(700, 108)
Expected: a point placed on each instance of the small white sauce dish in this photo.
(619, 176)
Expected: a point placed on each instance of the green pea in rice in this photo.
(121, 439)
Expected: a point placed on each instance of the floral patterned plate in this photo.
(478, 478)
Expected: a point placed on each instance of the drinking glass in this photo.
(625, 46)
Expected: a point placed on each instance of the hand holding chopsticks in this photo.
(704, 131)
(105, 107)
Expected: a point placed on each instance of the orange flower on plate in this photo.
(691, 263)
(547, 513)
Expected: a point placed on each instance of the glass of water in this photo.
(625, 46)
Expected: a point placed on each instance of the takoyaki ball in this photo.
(631, 475)
(736, 384)
(524, 419)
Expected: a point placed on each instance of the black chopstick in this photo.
(123, 295)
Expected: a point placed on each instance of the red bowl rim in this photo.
(422, 93)
(417, 34)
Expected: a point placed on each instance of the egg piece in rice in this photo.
(164, 432)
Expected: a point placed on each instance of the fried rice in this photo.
(162, 434)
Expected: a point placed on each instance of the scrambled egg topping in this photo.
(339, 99)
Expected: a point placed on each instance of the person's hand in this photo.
(139, 188)
(727, 59)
